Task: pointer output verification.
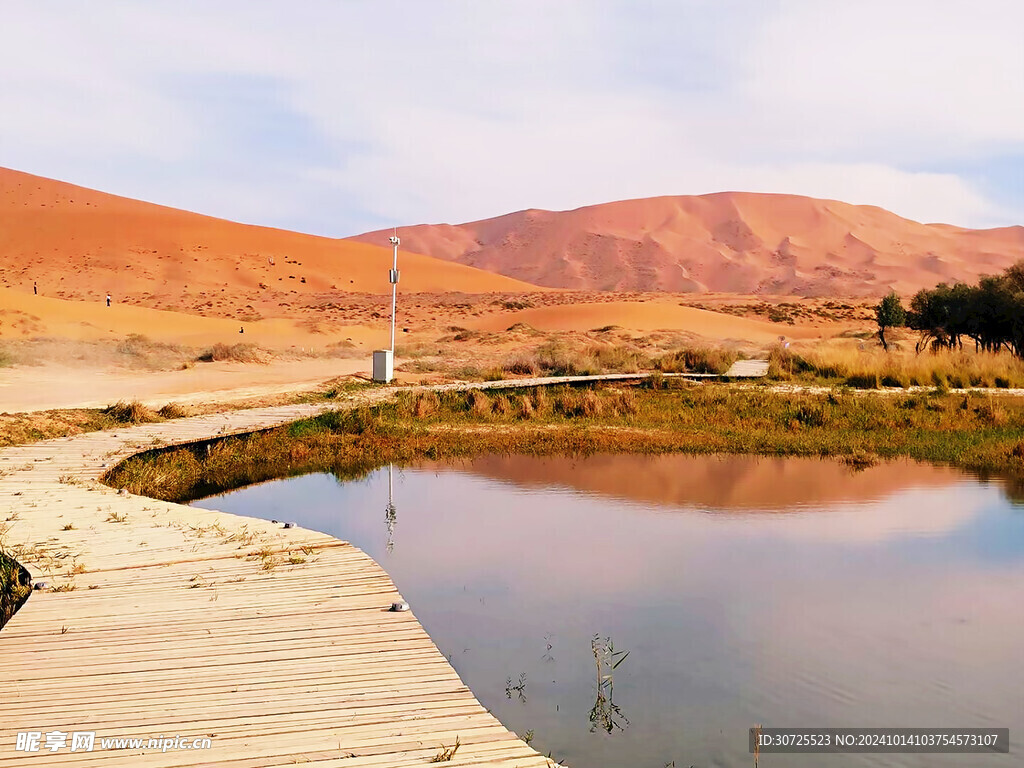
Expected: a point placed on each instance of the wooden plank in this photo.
(300, 664)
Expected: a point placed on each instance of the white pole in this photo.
(394, 289)
(394, 300)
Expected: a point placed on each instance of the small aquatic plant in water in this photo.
(517, 688)
(605, 714)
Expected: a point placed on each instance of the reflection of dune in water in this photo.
(719, 483)
(828, 500)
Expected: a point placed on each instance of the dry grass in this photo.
(966, 431)
(173, 411)
(562, 358)
(234, 353)
(130, 413)
(21, 428)
(872, 367)
(16, 429)
(696, 360)
(446, 754)
(425, 404)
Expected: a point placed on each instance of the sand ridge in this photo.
(77, 243)
(25, 315)
(651, 316)
(733, 242)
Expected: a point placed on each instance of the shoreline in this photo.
(968, 431)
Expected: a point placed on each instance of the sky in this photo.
(341, 116)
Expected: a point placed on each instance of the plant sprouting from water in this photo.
(518, 688)
(605, 714)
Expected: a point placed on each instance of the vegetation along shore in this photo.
(976, 432)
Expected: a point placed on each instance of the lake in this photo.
(783, 591)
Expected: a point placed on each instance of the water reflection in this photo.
(712, 483)
(390, 513)
(799, 593)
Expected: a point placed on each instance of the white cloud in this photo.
(899, 81)
(460, 110)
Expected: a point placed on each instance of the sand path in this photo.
(47, 387)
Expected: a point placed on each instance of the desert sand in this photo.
(53, 386)
(181, 282)
(731, 242)
(77, 243)
(652, 316)
(24, 315)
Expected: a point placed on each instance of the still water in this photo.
(788, 592)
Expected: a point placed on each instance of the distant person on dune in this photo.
(108, 299)
(35, 288)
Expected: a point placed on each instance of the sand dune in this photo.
(650, 316)
(45, 387)
(727, 242)
(27, 316)
(78, 243)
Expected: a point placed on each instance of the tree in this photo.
(890, 314)
(991, 313)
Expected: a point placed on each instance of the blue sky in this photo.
(338, 117)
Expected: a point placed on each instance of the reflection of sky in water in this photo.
(875, 607)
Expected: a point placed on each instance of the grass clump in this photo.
(139, 351)
(446, 754)
(696, 360)
(560, 358)
(234, 353)
(173, 411)
(130, 413)
(873, 368)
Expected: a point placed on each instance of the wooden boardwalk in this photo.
(273, 643)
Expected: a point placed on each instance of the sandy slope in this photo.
(651, 316)
(24, 315)
(80, 244)
(727, 242)
(47, 387)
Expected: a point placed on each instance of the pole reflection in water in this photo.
(390, 513)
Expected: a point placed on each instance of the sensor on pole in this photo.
(393, 278)
(384, 359)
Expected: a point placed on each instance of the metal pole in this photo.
(390, 514)
(393, 277)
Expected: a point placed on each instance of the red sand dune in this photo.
(649, 316)
(77, 243)
(732, 242)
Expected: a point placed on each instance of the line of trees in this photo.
(991, 314)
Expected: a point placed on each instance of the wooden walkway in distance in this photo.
(274, 643)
